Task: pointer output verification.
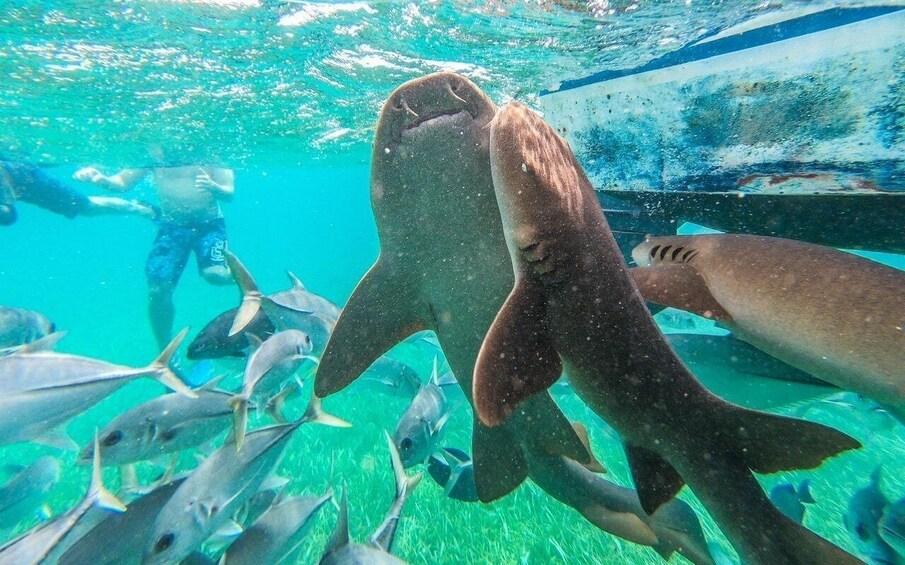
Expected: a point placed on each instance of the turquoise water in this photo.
(292, 108)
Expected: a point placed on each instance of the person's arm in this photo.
(120, 182)
(221, 182)
(99, 205)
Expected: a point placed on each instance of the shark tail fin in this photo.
(315, 413)
(97, 492)
(161, 370)
(251, 295)
(239, 404)
(385, 308)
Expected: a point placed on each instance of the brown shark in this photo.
(575, 306)
(444, 266)
(836, 316)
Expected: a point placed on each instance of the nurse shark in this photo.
(574, 306)
(443, 266)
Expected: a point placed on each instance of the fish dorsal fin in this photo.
(679, 286)
(385, 308)
(655, 479)
(97, 492)
(47, 343)
(212, 384)
(435, 373)
(254, 343)
(297, 283)
(340, 537)
(251, 295)
(517, 359)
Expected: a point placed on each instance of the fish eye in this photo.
(307, 340)
(113, 438)
(164, 542)
(406, 443)
(862, 532)
(398, 104)
(169, 434)
(454, 86)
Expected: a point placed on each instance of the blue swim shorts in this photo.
(175, 242)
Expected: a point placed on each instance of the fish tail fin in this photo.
(770, 443)
(315, 413)
(97, 491)
(251, 295)
(239, 404)
(161, 370)
(404, 483)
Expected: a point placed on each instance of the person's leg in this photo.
(210, 250)
(168, 258)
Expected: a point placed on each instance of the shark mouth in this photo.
(435, 116)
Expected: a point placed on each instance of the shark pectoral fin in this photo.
(679, 529)
(384, 309)
(594, 465)
(655, 480)
(679, 286)
(498, 461)
(517, 359)
(623, 524)
(770, 443)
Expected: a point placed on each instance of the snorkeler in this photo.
(28, 183)
(190, 219)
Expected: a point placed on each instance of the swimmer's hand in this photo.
(204, 181)
(89, 174)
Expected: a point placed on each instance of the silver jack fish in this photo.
(340, 551)
(277, 533)
(271, 365)
(163, 425)
(23, 493)
(420, 428)
(19, 326)
(35, 546)
(39, 390)
(219, 486)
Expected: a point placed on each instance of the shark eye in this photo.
(164, 542)
(406, 443)
(113, 438)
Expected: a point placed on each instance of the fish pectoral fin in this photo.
(655, 479)
(517, 359)
(57, 439)
(679, 286)
(498, 461)
(385, 308)
(770, 443)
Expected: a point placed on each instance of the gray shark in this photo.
(341, 551)
(574, 306)
(443, 266)
(35, 546)
(219, 486)
(296, 308)
(163, 425)
(276, 533)
(41, 390)
(21, 495)
(831, 314)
